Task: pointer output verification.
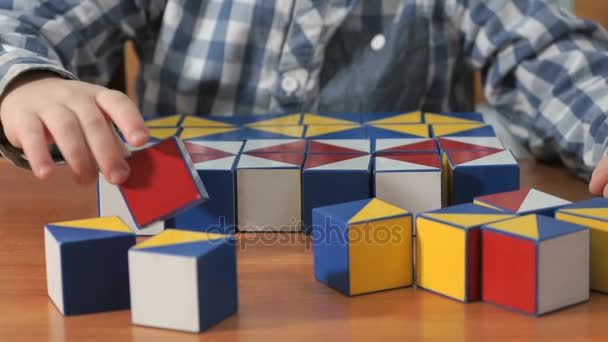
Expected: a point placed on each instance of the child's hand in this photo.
(599, 179)
(40, 108)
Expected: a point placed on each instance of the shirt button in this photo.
(378, 42)
(289, 85)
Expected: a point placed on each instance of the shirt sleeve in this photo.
(76, 39)
(545, 71)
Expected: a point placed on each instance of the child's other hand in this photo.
(599, 179)
(40, 108)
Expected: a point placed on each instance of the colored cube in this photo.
(273, 132)
(592, 214)
(183, 280)
(448, 250)
(158, 134)
(331, 119)
(362, 246)
(275, 146)
(411, 181)
(462, 130)
(453, 118)
(470, 143)
(535, 264)
(332, 146)
(249, 120)
(207, 121)
(391, 118)
(86, 264)
(227, 133)
(334, 178)
(405, 145)
(335, 131)
(215, 162)
(385, 131)
(523, 202)
(269, 191)
(468, 174)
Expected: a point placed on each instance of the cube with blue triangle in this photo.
(523, 202)
(331, 119)
(277, 119)
(391, 118)
(393, 131)
(215, 163)
(86, 264)
(183, 280)
(334, 178)
(453, 118)
(462, 130)
(336, 131)
(469, 174)
(362, 246)
(272, 132)
(535, 264)
(593, 214)
(448, 249)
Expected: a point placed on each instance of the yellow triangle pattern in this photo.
(174, 236)
(468, 220)
(522, 226)
(194, 132)
(314, 119)
(483, 204)
(110, 223)
(414, 117)
(431, 118)
(421, 130)
(445, 129)
(162, 133)
(195, 121)
(172, 120)
(376, 209)
(291, 131)
(316, 130)
(601, 213)
(293, 119)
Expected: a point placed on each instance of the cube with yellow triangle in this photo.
(362, 246)
(161, 133)
(448, 247)
(593, 214)
(86, 264)
(272, 132)
(336, 131)
(331, 119)
(453, 118)
(535, 264)
(387, 131)
(462, 130)
(391, 118)
(163, 121)
(276, 119)
(210, 133)
(183, 280)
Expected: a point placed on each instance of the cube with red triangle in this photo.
(215, 162)
(535, 264)
(269, 191)
(392, 118)
(469, 174)
(334, 178)
(162, 183)
(469, 143)
(448, 249)
(392, 131)
(411, 180)
(405, 145)
(87, 266)
(363, 246)
(462, 130)
(332, 146)
(453, 118)
(275, 146)
(593, 214)
(524, 201)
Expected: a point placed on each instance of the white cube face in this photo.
(413, 191)
(563, 271)
(269, 199)
(164, 291)
(54, 279)
(111, 203)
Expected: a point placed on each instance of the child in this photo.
(544, 70)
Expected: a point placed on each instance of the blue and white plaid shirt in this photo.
(545, 70)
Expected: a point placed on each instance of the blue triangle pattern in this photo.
(65, 234)
(549, 228)
(344, 211)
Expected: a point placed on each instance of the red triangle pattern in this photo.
(426, 159)
(511, 200)
(199, 158)
(428, 145)
(319, 147)
(461, 157)
(296, 146)
(198, 149)
(447, 144)
(314, 160)
(295, 159)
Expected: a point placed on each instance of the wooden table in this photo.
(279, 299)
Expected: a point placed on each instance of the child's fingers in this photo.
(65, 128)
(30, 134)
(102, 142)
(123, 112)
(599, 179)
